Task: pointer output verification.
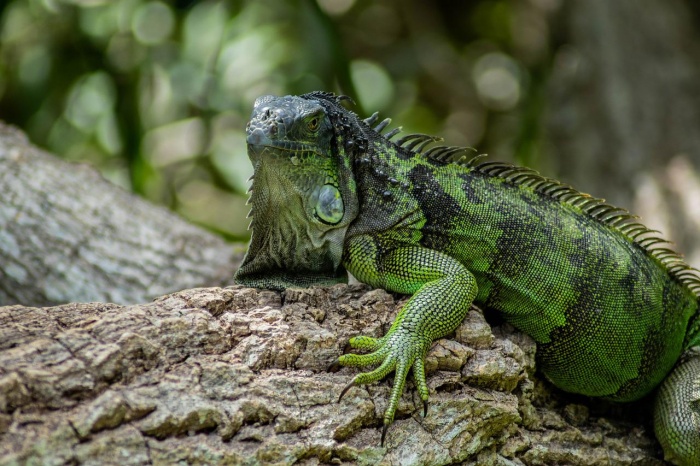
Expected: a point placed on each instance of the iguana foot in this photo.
(399, 350)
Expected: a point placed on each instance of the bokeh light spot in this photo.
(373, 84)
(153, 23)
(174, 142)
(497, 80)
(336, 7)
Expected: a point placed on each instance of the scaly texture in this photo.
(610, 308)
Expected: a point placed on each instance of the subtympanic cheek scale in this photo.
(330, 207)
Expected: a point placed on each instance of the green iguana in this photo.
(612, 311)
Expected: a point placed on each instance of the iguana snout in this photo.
(267, 122)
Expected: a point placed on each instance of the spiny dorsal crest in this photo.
(616, 218)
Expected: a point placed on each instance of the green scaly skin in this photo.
(611, 310)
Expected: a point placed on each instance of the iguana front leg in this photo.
(442, 289)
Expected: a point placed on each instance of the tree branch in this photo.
(67, 234)
(238, 375)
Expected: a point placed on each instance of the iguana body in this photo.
(611, 313)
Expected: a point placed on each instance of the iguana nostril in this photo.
(265, 114)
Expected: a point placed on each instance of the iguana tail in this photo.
(677, 414)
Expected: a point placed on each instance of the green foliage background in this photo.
(156, 94)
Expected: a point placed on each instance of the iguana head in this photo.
(303, 195)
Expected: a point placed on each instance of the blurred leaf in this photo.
(156, 94)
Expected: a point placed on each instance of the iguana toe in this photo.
(421, 384)
(366, 343)
(398, 352)
(359, 360)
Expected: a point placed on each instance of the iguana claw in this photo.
(333, 367)
(347, 387)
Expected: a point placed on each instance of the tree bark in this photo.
(67, 234)
(624, 109)
(237, 376)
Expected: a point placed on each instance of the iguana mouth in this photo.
(258, 142)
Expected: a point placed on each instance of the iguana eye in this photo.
(313, 124)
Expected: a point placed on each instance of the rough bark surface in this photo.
(238, 376)
(67, 234)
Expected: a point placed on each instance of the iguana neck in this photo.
(287, 250)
